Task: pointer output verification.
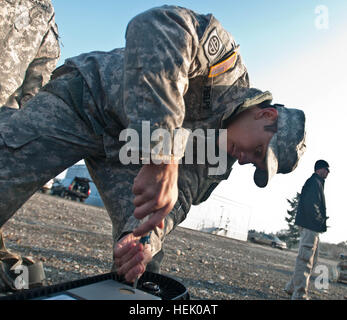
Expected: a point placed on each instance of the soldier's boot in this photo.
(4, 253)
(16, 272)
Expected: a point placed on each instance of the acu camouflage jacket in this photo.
(179, 69)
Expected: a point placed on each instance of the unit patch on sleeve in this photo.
(223, 66)
(213, 46)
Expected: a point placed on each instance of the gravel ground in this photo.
(74, 241)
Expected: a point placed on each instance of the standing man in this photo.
(311, 219)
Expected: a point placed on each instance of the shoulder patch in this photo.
(223, 66)
(213, 46)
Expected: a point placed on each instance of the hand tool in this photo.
(144, 239)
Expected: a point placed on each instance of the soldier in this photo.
(29, 49)
(179, 71)
(311, 219)
(29, 52)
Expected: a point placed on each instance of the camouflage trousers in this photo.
(305, 262)
(48, 136)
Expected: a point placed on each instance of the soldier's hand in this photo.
(156, 192)
(131, 257)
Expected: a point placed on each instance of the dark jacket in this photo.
(311, 212)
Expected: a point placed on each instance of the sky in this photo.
(295, 49)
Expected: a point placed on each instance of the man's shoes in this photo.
(16, 272)
(288, 289)
(288, 292)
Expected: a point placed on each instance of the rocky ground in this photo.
(74, 241)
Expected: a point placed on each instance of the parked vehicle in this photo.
(46, 188)
(80, 170)
(342, 269)
(266, 239)
(77, 189)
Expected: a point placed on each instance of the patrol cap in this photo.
(321, 164)
(285, 147)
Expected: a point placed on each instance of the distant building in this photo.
(218, 215)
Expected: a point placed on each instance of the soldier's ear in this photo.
(266, 113)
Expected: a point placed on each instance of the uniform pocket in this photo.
(306, 253)
(18, 142)
(14, 130)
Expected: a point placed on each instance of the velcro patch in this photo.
(223, 66)
(213, 46)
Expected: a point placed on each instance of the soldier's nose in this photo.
(243, 159)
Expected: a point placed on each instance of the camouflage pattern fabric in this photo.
(52, 137)
(285, 147)
(162, 75)
(80, 113)
(112, 178)
(168, 48)
(29, 49)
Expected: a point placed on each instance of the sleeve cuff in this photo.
(157, 236)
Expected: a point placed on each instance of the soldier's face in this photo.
(247, 138)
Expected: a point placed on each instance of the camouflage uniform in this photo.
(29, 49)
(163, 76)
